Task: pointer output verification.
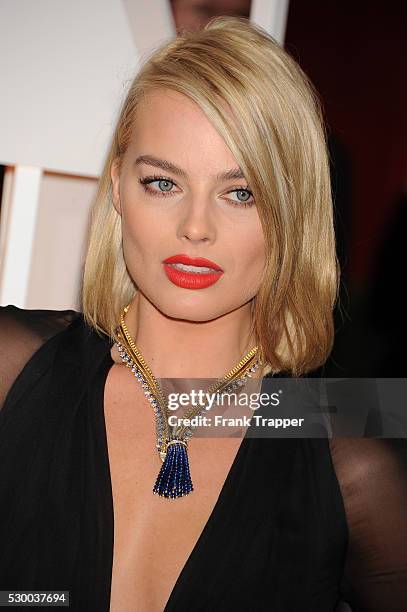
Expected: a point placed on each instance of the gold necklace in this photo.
(174, 479)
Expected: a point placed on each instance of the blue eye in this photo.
(163, 182)
(165, 190)
(244, 191)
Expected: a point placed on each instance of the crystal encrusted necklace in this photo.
(174, 479)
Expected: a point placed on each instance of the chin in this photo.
(198, 313)
(189, 308)
(187, 304)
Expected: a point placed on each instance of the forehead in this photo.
(161, 99)
(164, 112)
(170, 125)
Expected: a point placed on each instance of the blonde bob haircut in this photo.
(268, 113)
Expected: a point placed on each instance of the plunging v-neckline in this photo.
(242, 449)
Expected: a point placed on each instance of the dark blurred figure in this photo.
(385, 308)
(371, 339)
(2, 170)
(341, 180)
(190, 15)
(338, 364)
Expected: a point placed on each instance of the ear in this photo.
(115, 176)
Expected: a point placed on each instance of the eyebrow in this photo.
(233, 173)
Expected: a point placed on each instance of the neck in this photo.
(176, 348)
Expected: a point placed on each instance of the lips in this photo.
(208, 274)
(193, 261)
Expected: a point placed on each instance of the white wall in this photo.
(65, 69)
(63, 65)
(60, 241)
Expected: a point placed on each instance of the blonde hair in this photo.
(269, 115)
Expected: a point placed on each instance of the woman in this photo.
(213, 224)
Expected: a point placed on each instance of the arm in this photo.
(22, 332)
(372, 475)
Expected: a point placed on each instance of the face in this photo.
(173, 201)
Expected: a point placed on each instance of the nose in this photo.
(196, 224)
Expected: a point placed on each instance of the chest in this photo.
(153, 536)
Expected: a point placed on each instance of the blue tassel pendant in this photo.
(174, 479)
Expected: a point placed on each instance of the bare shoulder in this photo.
(115, 354)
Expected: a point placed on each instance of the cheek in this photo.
(140, 233)
(251, 254)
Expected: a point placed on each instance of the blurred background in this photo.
(65, 69)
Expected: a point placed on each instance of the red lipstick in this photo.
(191, 279)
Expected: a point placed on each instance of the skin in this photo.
(200, 216)
(193, 333)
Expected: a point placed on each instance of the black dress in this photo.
(299, 525)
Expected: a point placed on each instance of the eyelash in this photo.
(152, 179)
